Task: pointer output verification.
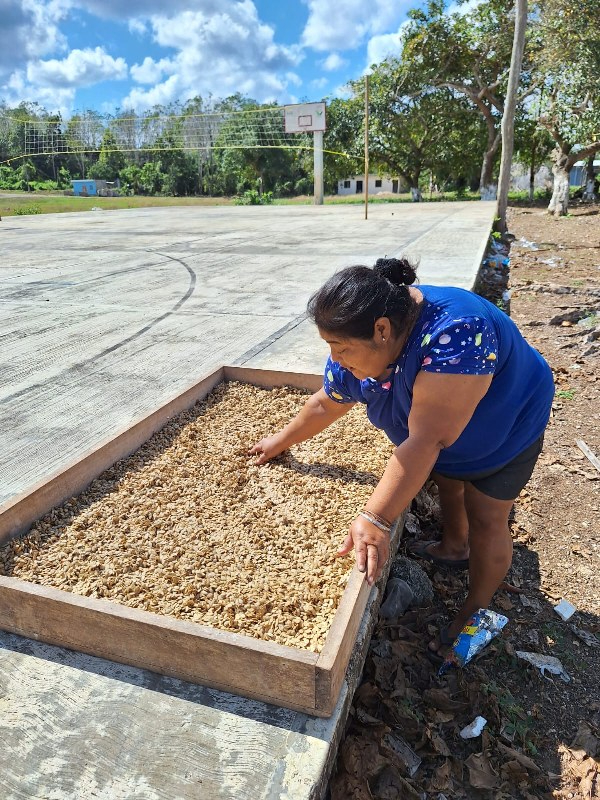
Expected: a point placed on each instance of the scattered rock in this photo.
(415, 577)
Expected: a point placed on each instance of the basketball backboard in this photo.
(304, 117)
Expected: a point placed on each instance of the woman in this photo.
(457, 389)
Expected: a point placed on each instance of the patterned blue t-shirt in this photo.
(459, 332)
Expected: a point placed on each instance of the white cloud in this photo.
(384, 45)
(222, 52)
(138, 26)
(150, 71)
(29, 29)
(292, 78)
(354, 21)
(125, 9)
(79, 68)
(342, 92)
(333, 61)
(18, 90)
(463, 8)
(319, 83)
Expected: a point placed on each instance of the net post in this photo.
(318, 161)
(366, 146)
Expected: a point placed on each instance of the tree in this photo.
(111, 160)
(508, 117)
(409, 133)
(570, 65)
(469, 54)
(84, 138)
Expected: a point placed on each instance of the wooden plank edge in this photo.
(18, 514)
(333, 659)
(269, 378)
(265, 671)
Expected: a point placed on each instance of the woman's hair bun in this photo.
(398, 271)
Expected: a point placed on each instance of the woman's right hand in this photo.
(266, 449)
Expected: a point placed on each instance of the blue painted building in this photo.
(84, 188)
(95, 188)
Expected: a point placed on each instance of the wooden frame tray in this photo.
(286, 676)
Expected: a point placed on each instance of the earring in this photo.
(383, 338)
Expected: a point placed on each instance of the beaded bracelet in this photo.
(375, 521)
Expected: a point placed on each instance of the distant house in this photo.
(356, 185)
(579, 171)
(93, 188)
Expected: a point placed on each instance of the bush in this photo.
(252, 198)
(23, 210)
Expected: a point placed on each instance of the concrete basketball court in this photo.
(104, 316)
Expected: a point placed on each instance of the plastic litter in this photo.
(479, 631)
(399, 596)
(529, 245)
(474, 728)
(565, 610)
(402, 751)
(586, 637)
(545, 664)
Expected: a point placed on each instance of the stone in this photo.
(417, 579)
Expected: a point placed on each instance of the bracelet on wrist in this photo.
(375, 521)
(381, 519)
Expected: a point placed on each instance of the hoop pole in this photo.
(366, 146)
(318, 160)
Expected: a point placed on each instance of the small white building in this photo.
(377, 184)
(579, 171)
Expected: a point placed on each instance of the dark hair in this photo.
(353, 298)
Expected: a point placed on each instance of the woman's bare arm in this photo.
(318, 413)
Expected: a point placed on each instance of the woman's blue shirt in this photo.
(458, 332)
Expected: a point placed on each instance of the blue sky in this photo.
(107, 54)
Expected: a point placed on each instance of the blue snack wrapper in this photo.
(479, 631)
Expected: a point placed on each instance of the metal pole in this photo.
(318, 156)
(366, 146)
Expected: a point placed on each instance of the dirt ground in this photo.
(542, 734)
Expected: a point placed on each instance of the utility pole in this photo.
(318, 167)
(366, 146)
(508, 118)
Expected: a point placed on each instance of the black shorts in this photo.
(505, 483)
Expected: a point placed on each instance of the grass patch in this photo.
(17, 204)
(566, 394)
(31, 209)
(20, 203)
(516, 723)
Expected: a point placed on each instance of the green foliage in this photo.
(516, 724)
(25, 210)
(566, 394)
(253, 198)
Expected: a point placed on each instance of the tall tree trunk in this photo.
(508, 116)
(414, 186)
(487, 188)
(532, 171)
(559, 203)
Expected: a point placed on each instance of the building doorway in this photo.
(359, 187)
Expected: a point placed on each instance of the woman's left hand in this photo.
(372, 548)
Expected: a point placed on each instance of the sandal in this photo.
(444, 640)
(419, 549)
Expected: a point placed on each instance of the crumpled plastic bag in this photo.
(545, 664)
(479, 631)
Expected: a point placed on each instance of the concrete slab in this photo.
(103, 317)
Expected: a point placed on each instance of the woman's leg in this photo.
(454, 545)
(490, 554)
